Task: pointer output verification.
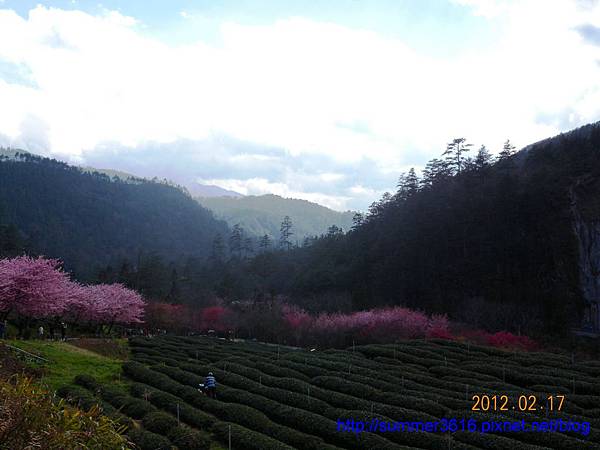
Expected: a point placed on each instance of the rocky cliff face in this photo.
(589, 259)
(587, 230)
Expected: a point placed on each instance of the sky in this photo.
(325, 101)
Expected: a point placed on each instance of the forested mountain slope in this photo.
(262, 214)
(510, 242)
(90, 220)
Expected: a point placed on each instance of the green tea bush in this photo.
(493, 442)
(137, 408)
(414, 439)
(146, 440)
(139, 372)
(443, 371)
(294, 397)
(113, 394)
(185, 438)
(87, 381)
(246, 439)
(292, 417)
(72, 392)
(159, 422)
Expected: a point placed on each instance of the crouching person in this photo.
(210, 384)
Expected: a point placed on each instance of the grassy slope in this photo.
(67, 361)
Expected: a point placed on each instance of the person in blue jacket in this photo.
(210, 384)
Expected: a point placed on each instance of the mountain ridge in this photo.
(262, 214)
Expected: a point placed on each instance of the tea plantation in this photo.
(272, 397)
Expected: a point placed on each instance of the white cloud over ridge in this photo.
(307, 89)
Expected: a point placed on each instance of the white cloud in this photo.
(486, 8)
(292, 83)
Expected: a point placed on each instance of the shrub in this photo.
(187, 439)
(139, 372)
(504, 339)
(87, 381)
(29, 416)
(168, 402)
(147, 440)
(159, 422)
(295, 418)
(242, 437)
(137, 408)
(112, 394)
(452, 371)
(491, 441)
(374, 440)
(72, 393)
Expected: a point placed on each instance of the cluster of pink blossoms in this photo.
(38, 288)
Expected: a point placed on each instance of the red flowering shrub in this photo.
(505, 339)
(218, 318)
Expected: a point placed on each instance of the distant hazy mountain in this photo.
(209, 190)
(263, 214)
(195, 189)
(90, 219)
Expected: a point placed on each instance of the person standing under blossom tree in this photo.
(63, 331)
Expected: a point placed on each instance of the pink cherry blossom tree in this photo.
(38, 288)
(35, 287)
(110, 304)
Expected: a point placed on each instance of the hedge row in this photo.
(407, 380)
(373, 351)
(253, 416)
(146, 440)
(523, 378)
(332, 397)
(168, 402)
(287, 391)
(365, 372)
(244, 439)
(311, 424)
(244, 415)
(413, 439)
(300, 419)
(551, 440)
(183, 437)
(187, 439)
(343, 386)
(84, 399)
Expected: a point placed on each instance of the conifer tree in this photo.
(286, 233)
(508, 150)
(483, 158)
(264, 243)
(455, 154)
(236, 240)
